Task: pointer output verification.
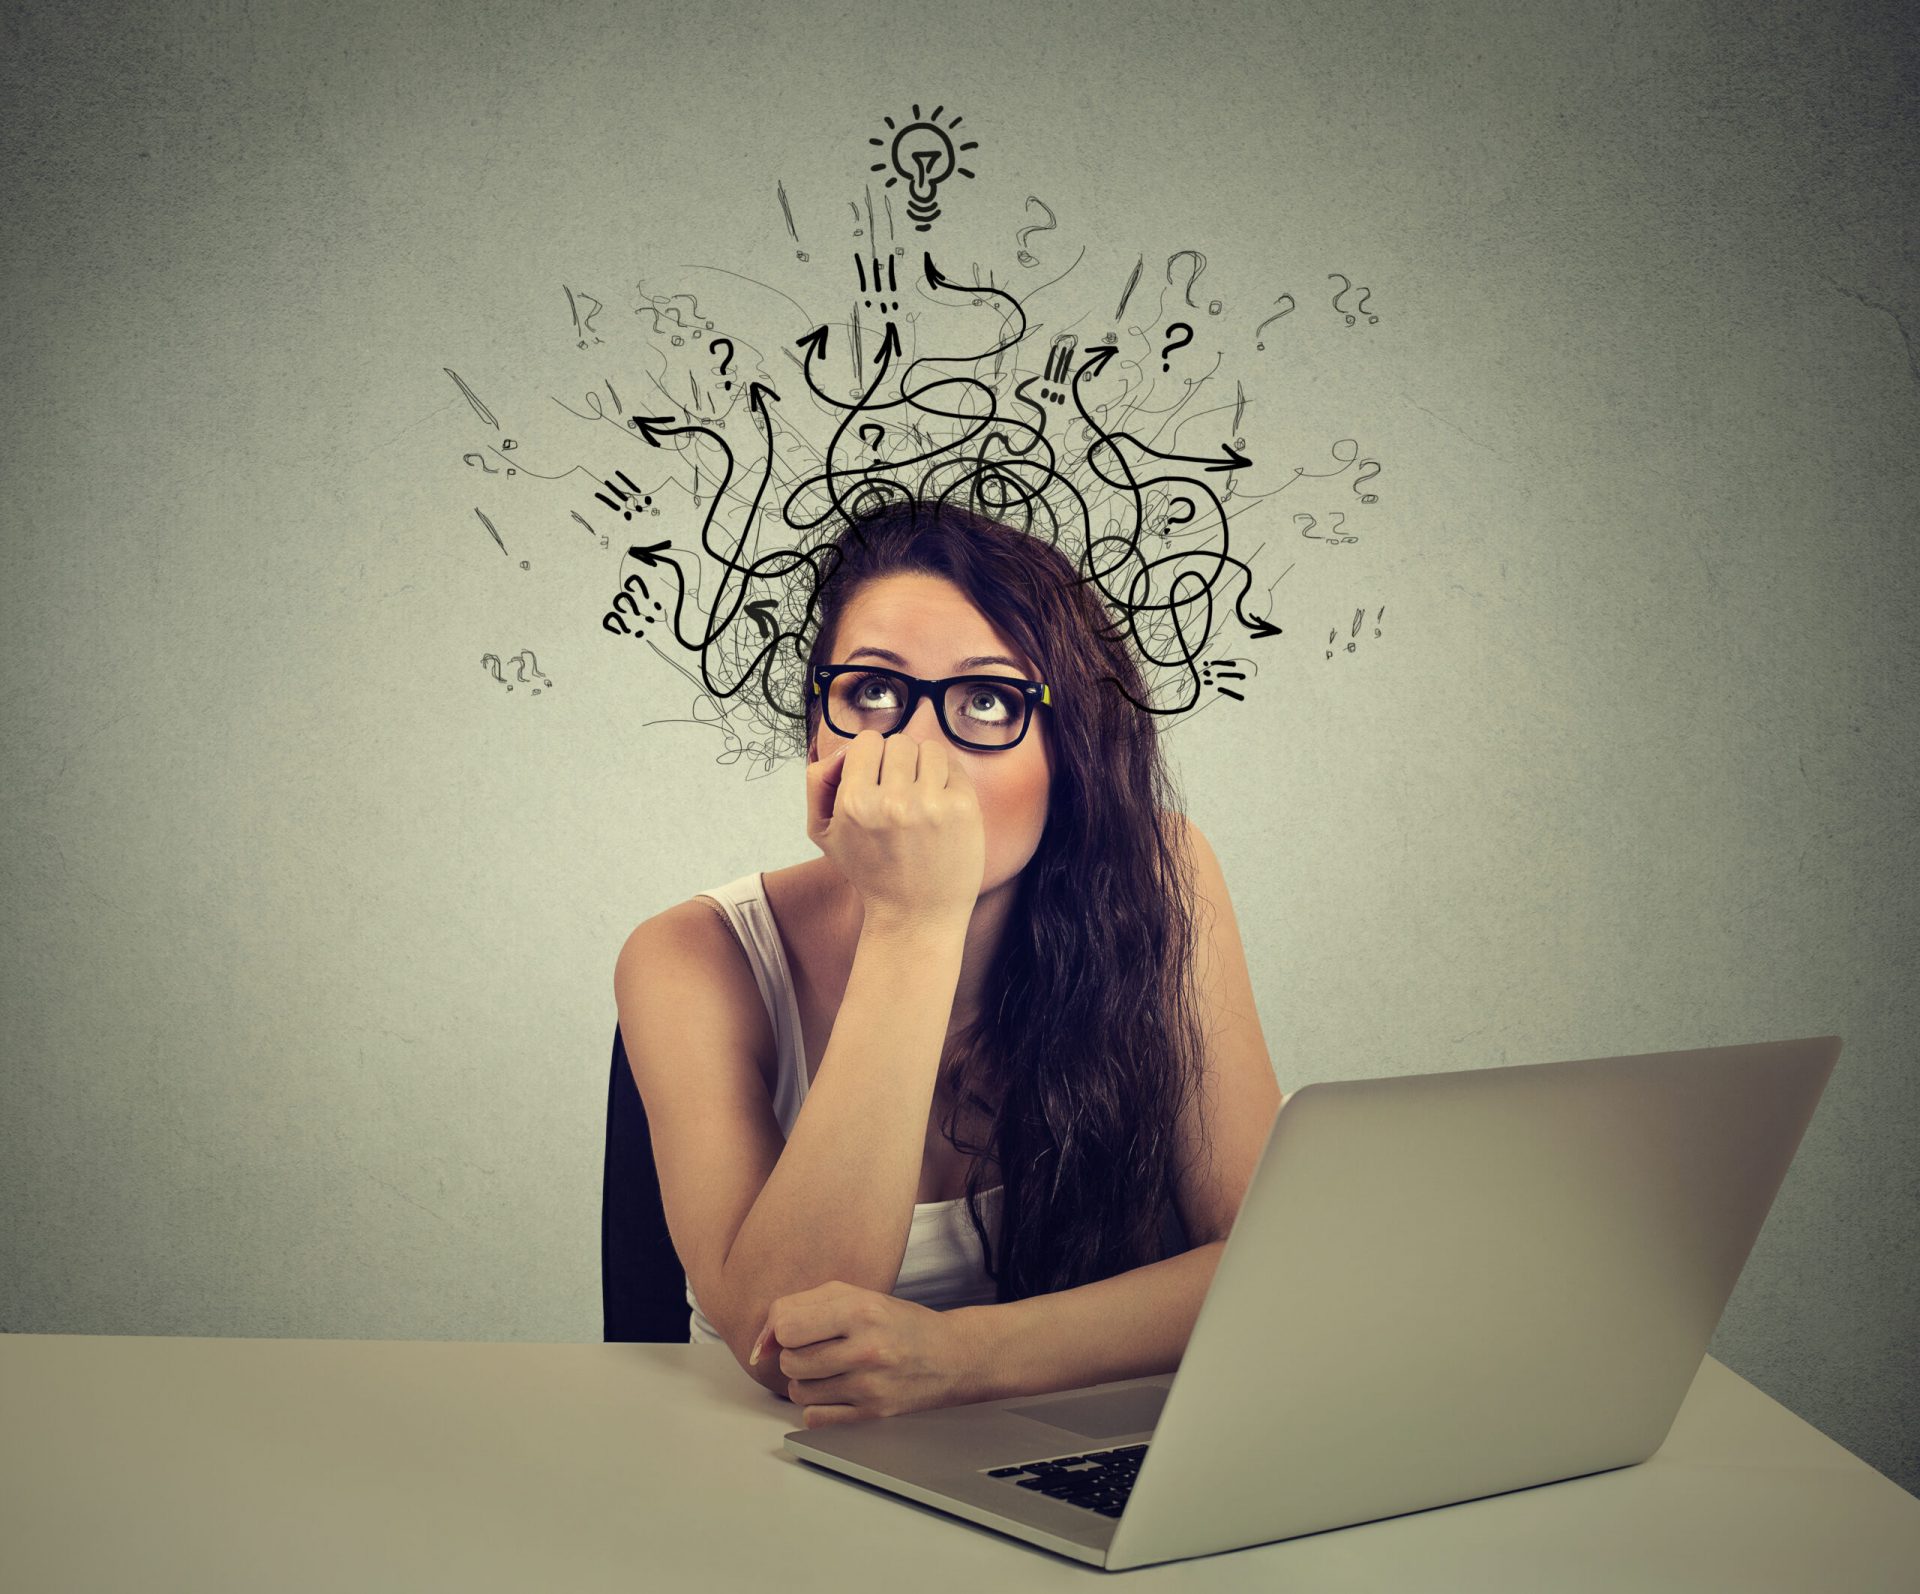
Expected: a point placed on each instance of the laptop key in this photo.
(1098, 1481)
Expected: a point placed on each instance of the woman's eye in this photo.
(996, 704)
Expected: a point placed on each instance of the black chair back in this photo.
(643, 1288)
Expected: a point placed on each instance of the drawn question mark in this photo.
(1346, 287)
(728, 360)
(626, 591)
(520, 662)
(494, 660)
(1175, 343)
(1369, 468)
(1020, 237)
(1360, 304)
(878, 431)
(1199, 265)
(625, 596)
(1272, 318)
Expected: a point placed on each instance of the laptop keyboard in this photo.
(1100, 1480)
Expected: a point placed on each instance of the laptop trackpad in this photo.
(1101, 1416)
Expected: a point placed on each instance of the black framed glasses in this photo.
(984, 713)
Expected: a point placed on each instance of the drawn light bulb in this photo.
(924, 155)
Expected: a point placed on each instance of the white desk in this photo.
(281, 1465)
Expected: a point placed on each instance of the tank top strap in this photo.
(744, 901)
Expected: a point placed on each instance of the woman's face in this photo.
(934, 628)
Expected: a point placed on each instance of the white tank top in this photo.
(943, 1266)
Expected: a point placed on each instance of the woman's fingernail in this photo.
(754, 1358)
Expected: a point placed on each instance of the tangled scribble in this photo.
(730, 484)
(1055, 453)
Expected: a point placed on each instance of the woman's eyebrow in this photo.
(959, 664)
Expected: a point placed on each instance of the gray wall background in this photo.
(310, 925)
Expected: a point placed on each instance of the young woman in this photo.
(988, 994)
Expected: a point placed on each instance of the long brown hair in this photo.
(1094, 1043)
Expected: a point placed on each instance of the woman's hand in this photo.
(900, 819)
(851, 1353)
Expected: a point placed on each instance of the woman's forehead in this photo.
(934, 625)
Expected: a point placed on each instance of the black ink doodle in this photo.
(520, 661)
(891, 285)
(1175, 342)
(632, 502)
(1126, 293)
(1079, 444)
(1308, 531)
(583, 325)
(490, 531)
(614, 620)
(1346, 287)
(786, 210)
(1359, 616)
(473, 398)
(923, 153)
(1272, 318)
(1212, 668)
(1020, 238)
(1199, 265)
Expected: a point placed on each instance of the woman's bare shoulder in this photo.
(698, 942)
(790, 893)
(690, 923)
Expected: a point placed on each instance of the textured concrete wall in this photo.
(311, 923)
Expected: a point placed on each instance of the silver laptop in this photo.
(1438, 1288)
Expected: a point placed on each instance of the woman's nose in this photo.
(924, 722)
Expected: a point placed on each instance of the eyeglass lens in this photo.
(979, 713)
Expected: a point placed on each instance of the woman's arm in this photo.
(839, 1203)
